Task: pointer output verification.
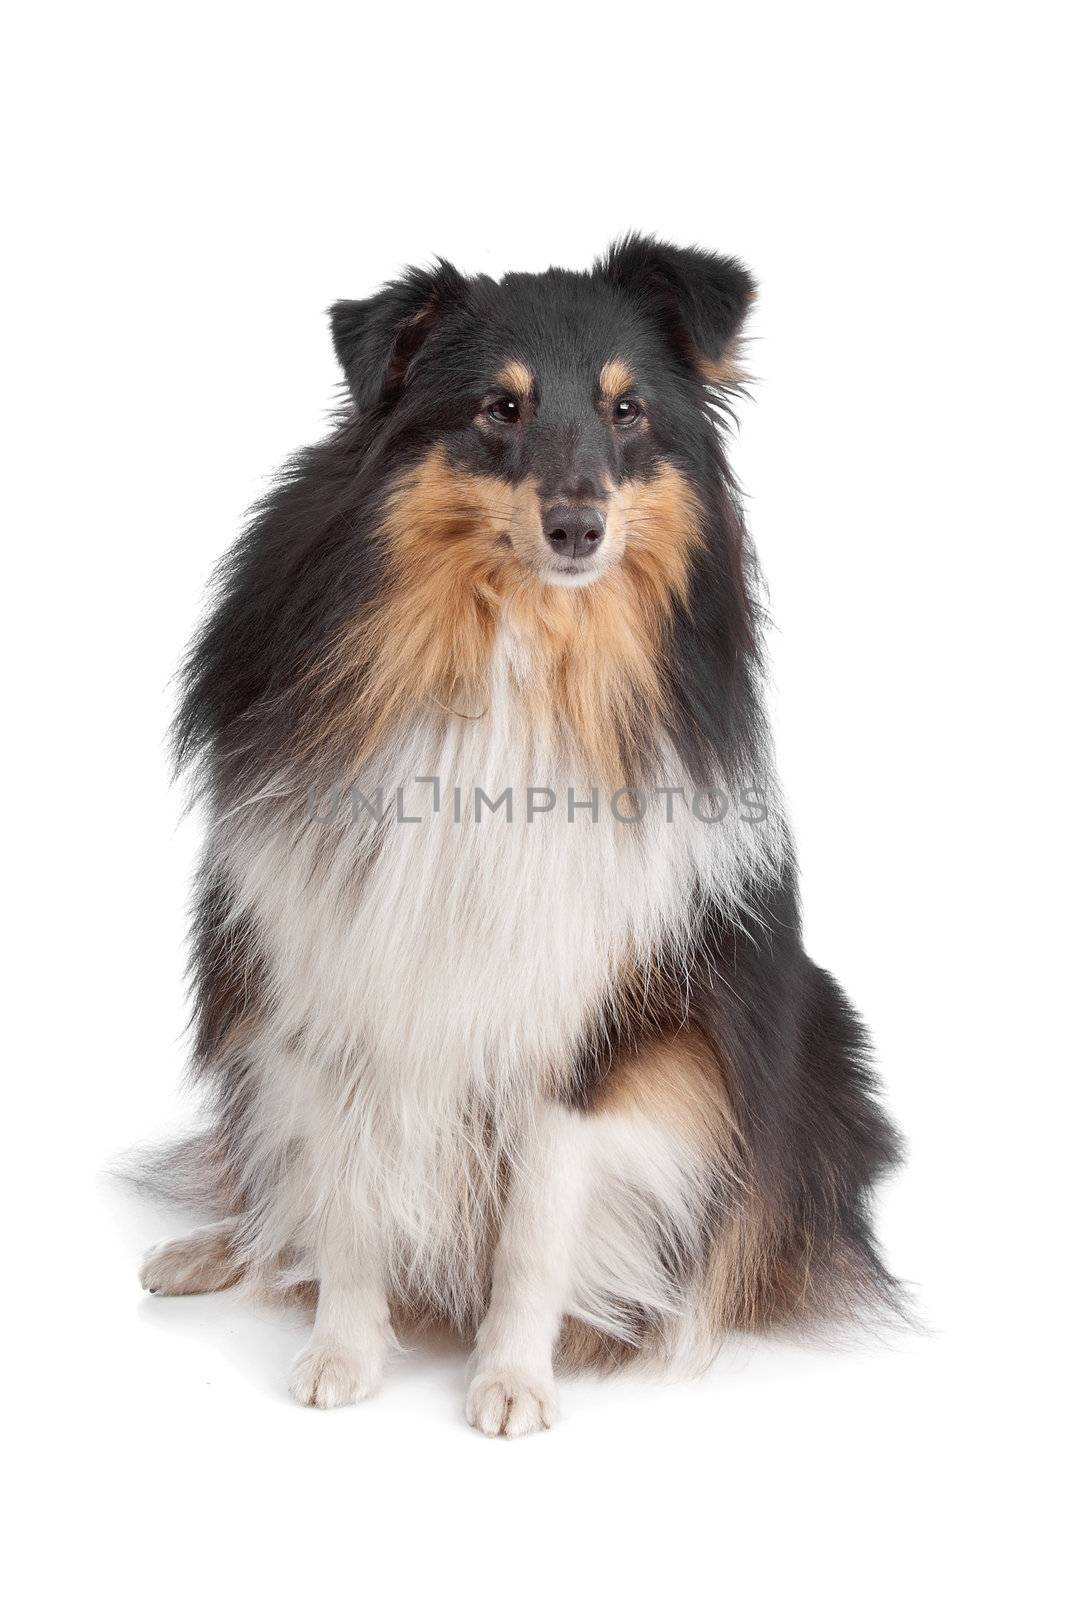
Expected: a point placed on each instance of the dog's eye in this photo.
(504, 410)
(626, 412)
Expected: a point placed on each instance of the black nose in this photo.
(573, 531)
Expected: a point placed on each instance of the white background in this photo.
(188, 188)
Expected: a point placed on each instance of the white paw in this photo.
(511, 1404)
(328, 1375)
(196, 1264)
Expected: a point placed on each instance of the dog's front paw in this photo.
(328, 1375)
(511, 1404)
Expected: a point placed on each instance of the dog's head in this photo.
(528, 481)
(543, 426)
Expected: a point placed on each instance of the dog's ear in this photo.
(700, 300)
(378, 340)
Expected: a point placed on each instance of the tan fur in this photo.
(516, 379)
(616, 380)
(461, 554)
(724, 373)
(582, 1348)
(754, 1280)
(678, 1081)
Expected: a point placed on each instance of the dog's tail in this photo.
(190, 1173)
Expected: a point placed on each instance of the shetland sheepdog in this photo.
(501, 1008)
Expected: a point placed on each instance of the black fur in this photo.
(418, 361)
(797, 1061)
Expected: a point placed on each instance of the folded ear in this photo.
(378, 340)
(699, 299)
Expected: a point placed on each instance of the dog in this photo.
(501, 1006)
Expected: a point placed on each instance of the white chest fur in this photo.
(428, 978)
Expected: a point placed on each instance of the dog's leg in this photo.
(198, 1263)
(607, 1220)
(513, 1390)
(344, 1359)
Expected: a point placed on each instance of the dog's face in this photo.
(544, 426)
